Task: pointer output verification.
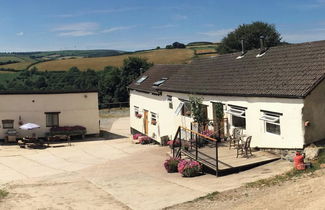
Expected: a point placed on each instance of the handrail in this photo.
(179, 151)
(200, 134)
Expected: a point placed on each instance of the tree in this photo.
(131, 69)
(197, 110)
(178, 45)
(251, 34)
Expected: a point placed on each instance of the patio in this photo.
(215, 155)
(227, 160)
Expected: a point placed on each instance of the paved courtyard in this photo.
(107, 174)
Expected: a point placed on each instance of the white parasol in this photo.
(29, 126)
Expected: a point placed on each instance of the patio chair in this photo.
(244, 147)
(248, 149)
(234, 139)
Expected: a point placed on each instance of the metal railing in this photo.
(197, 146)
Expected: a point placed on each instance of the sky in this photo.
(40, 25)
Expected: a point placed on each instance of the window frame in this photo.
(170, 101)
(142, 79)
(186, 109)
(271, 118)
(160, 82)
(237, 112)
(53, 124)
(136, 110)
(153, 118)
(8, 121)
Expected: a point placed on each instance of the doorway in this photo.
(145, 121)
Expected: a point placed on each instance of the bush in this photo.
(189, 168)
(145, 140)
(171, 164)
(136, 136)
(174, 143)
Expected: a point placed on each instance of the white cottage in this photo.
(48, 109)
(276, 95)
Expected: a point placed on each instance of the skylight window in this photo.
(160, 82)
(139, 81)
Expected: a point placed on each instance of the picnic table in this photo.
(30, 142)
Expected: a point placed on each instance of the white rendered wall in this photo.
(292, 129)
(75, 109)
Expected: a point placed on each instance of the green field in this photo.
(161, 56)
(26, 59)
(99, 59)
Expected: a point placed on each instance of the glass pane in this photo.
(272, 128)
(238, 122)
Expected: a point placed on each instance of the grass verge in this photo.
(3, 194)
(276, 180)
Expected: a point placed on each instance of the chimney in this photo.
(262, 49)
(242, 47)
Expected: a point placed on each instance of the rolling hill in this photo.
(99, 59)
(161, 56)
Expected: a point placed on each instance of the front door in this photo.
(145, 121)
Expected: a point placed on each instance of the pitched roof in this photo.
(31, 92)
(290, 71)
(154, 74)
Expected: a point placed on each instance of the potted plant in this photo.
(171, 164)
(173, 143)
(136, 136)
(189, 168)
(144, 140)
(138, 115)
(153, 122)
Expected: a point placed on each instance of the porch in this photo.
(216, 156)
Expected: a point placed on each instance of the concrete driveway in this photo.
(106, 174)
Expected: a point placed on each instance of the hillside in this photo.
(23, 60)
(161, 56)
(99, 59)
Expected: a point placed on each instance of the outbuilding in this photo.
(48, 109)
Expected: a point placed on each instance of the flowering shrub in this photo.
(171, 164)
(175, 143)
(144, 140)
(69, 128)
(136, 136)
(189, 168)
(208, 133)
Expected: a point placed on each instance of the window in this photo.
(170, 101)
(238, 116)
(187, 109)
(160, 82)
(52, 119)
(136, 110)
(271, 122)
(7, 124)
(153, 118)
(139, 81)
